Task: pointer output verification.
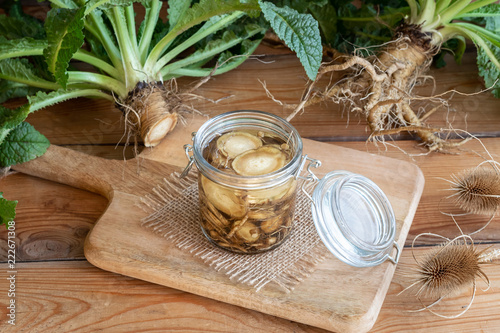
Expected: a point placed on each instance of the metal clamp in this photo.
(310, 177)
(398, 254)
(188, 149)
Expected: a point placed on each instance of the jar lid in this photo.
(354, 219)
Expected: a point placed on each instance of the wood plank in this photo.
(52, 219)
(438, 168)
(77, 297)
(90, 121)
(154, 259)
(42, 203)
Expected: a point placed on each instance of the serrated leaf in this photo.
(64, 29)
(11, 118)
(14, 28)
(27, 25)
(176, 10)
(21, 70)
(21, 47)
(108, 4)
(7, 210)
(300, 32)
(22, 144)
(486, 66)
(326, 15)
(206, 9)
(211, 48)
(63, 4)
(11, 89)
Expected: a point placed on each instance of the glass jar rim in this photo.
(225, 121)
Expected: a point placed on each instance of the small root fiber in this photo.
(381, 89)
(152, 110)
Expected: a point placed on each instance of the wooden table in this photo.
(57, 290)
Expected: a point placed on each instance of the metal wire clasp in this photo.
(188, 150)
(310, 178)
(398, 254)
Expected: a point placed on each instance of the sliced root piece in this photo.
(277, 194)
(259, 161)
(271, 225)
(222, 198)
(235, 143)
(154, 133)
(248, 232)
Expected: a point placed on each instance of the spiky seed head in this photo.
(478, 190)
(449, 269)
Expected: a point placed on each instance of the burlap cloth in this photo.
(175, 216)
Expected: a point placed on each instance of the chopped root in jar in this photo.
(235, 143)
(224, 199)
(259, 161)
(248, 232)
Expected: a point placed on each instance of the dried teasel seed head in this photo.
(477, 190)
(449, 269)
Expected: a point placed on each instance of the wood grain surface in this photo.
(350, 305)
(57, 290)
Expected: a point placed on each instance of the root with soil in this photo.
(380, 88)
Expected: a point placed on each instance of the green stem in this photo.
(43, 84)
(102, 81)
(22, 53)
(102, 33)
(130, 17)
(89, 10)
(129, 52)
(448, 14)
(91, 59)
(427, 13)
(225, 21)
(441, 5)
(476, 38)
(151, 19)
(69, 95)
(194, 59)
(202, 72)
(413, 10)
(475, 5)
(485, 33)
(445, 34)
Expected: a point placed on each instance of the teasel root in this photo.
(449, 270)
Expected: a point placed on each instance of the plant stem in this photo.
(448, 14)
(102, 33)
(130, 17)
(475, 5)
(151, 19)
(101, 81)
(91, 59)
(43, 84)
(225, 21)
(69, 95)
(129, 52)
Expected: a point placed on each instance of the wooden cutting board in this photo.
(335, 296)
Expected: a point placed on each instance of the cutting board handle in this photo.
(73, 168)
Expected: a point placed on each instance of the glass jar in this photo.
(245, 209)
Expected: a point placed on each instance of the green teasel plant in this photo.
(132, 65)
(380, 78)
